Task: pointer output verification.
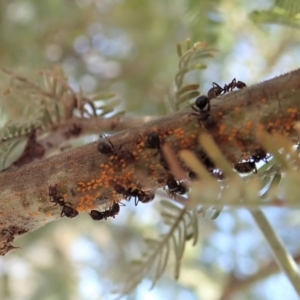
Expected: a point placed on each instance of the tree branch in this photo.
(283, 258)
(59, 136)
(86, 178)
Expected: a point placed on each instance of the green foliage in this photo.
(284, 12)
(252, 190)
(182, 226)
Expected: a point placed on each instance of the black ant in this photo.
(53, 192)
(200, 103)
(260, 154)
(206, 160)
(217, 90)
(193, 175)
(96, 215)
(246, 167)
(163, 162)
(127, 193)
(115, 209)
(199, 106)
(106, 149)
(153, 140)
(109, 149)
(111, 212)
(250, 166)
(175, 187)
(234, 84)
(203, 101)
(119, 189)
(67, 210)
(138, 195)
(146, 196)
(127, 156)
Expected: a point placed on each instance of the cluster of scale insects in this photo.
(152, 142)
(69, 211)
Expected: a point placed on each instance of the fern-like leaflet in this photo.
(282, 13)
(268, 187)
(183, 226)
(43, 104)
(190, 59)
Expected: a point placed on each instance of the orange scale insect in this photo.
(222, 129)
(285, 133)
(260, 126)
(263, 100)
(249, 124)
(291, 110)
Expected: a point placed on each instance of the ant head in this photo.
(115, 208)
(153, 140)
(105, 148)
(69, 212)
(171, 183)
(201, 102)
(119, 189)
(147, 197)
(96, 215)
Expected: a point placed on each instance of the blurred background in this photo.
(129, 47)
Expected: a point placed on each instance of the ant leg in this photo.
(112, 145)
(225, 89)
(195, 109)
(231, 85)
(218, 90)
(215, 91)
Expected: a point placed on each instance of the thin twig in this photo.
(283, 258)
(237, 285)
